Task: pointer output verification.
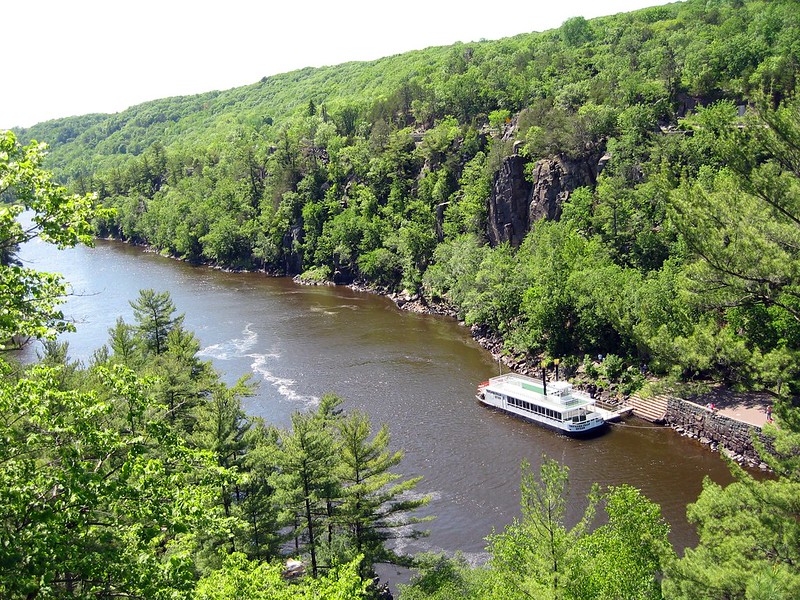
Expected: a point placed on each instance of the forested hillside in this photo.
(626, 186)
(580, 191)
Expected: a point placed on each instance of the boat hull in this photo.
(585, 429)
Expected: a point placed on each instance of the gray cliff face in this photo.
(509, 220)
(516, 203)
(554, 180)
(293, 241)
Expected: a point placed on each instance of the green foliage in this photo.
(677, 250)
(531, 557)
(154, 314)
(624, 558)
(29, 298)
(374, 172)
(442, 578)
(93, 505)
(117, 481)
(321, 274)
(576, 31)
(748, 543)
(742, 224)
(539, 556)
(749, 530)
(304, 481)
(336, 491)
(375, 507)
(239, 578)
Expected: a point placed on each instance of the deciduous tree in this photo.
(29, 298)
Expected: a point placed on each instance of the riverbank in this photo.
(722, 420)
(416, 303)
(494, 344)
(488, 340)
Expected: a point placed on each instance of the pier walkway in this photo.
(745, 408)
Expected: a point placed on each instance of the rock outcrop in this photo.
(509, 203)
(516, 203)
(554, 180)
(293, 242)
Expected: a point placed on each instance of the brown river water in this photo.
(416, 373)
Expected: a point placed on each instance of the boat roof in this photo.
(560, 394)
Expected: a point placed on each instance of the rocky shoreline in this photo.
(415, 303)
(404, 300)
(487, 339)
(494, 344)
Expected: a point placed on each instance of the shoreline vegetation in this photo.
(625, 188)
(595, 190)
(415, 303)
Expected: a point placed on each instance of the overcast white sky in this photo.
(72, 57)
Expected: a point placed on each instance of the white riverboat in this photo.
(553, 404)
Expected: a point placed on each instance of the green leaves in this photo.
(748, 542)
(154, 314)
(239, 578)
(624, 558)
(87, 505)
(337, 492)
(540, 557)
(28, 299)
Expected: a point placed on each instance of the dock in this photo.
(612, 415)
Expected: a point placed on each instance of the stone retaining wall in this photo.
(732, 437)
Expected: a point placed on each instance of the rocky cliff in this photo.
(516, 203)
(509, 218)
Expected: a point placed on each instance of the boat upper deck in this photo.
(560, 394)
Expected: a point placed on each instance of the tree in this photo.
(221, 429)
(749, 531)
(742, 223)
(239, 578)
(531, 558)
(576, 31)
(181, 380)
(260, 533)
(624, 558)
(539, 557)
(123, 343)
(440, 577)
(28, 299)
(305, 479)
(154, 314)
(748, 545)
(93, 504)
(374, 508)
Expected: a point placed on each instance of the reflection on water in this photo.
(416, 373)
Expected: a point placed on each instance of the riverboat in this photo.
(554, 404)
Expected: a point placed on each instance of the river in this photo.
(416, 373)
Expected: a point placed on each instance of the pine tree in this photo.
(305, 482)
(154, 315)
(260, 533)
(375, 506)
